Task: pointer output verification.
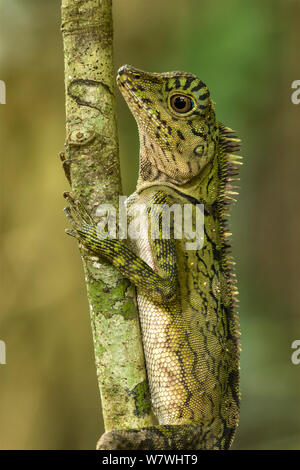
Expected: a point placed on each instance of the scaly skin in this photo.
(186, 298)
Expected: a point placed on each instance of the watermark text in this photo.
(2, 92)
(295, 97)
(159, 221)
(2, 352)
(295, 358)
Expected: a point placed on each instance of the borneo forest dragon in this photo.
(186, 298)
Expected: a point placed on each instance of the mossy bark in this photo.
(93, 164)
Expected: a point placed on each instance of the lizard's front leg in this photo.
(161, 289)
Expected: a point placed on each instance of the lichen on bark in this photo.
(92, 161)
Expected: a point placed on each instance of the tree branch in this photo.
(92, 166)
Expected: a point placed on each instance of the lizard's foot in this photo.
(126, 439)
(168, 437)
(164, 437)
(109, 441)
(77, 215)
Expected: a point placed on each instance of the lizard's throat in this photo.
(161, 165)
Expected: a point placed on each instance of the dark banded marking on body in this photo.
(199, 86)
(180, 135)
(204, 96)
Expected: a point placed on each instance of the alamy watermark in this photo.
(2, 92)
(161, 221)
(295, 97)
(2, 352)
(295, 357)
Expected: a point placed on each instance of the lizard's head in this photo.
(176, 121)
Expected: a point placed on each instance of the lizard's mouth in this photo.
(128, 82)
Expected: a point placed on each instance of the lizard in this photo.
(187, 299)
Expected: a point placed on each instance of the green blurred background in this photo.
(247, 53)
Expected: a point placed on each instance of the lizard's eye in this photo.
(181, 103)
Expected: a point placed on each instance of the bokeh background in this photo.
(247, 52)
